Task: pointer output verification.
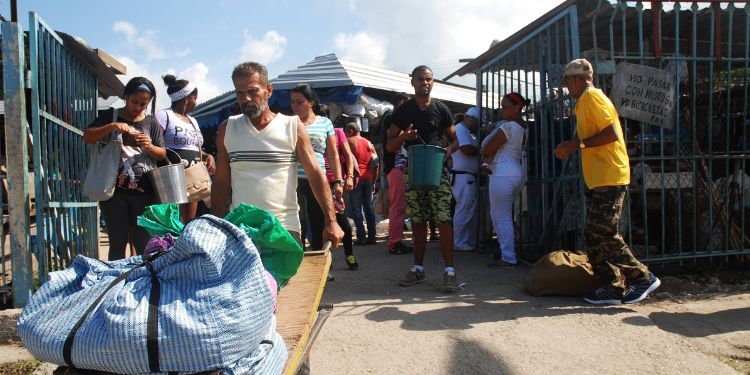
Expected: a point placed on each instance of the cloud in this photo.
(197, 73)
(441, 33)
(145, 40)
(362, 47)
(265, 50)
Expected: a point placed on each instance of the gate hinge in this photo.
(28, 79)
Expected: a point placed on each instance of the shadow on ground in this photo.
(697, 325)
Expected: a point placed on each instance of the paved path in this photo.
(494, 327)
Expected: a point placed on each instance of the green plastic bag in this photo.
(279, 251)
(160, 219)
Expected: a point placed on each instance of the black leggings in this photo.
(310, 213)
(121, 214)
(310, 209)
(347, 228)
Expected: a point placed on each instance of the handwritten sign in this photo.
(644, 94)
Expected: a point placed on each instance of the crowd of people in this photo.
(314, 176)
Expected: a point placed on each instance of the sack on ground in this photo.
(203, 305)
(561, 273)
(197, 182)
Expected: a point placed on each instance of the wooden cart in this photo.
(299, 318)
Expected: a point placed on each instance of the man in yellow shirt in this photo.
(606, 171)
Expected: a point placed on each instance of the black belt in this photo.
(454, 173)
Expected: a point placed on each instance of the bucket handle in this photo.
(169, 162)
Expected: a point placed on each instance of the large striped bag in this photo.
(203, 305)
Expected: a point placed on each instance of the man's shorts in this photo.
(423, 205)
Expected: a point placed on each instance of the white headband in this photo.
(181, 94)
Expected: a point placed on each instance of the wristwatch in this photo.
(339, 181)
(581, 145)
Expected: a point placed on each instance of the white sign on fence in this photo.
(644, 94)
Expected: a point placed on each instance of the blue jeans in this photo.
(361, 199)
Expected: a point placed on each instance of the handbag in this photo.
(104, 161)
(197, 179)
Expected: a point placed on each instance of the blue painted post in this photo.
(16, 138)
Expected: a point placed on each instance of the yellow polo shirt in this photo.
(606, 165)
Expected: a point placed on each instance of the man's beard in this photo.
(252, 110)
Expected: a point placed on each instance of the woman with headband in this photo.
(181, 132)
(142, 147)
(506, 146)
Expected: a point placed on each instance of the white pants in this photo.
(503, 192)
(465, 216)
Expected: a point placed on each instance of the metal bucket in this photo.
(169, 182)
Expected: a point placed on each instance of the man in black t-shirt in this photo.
(429, 119)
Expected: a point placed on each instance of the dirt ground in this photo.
(694, 324)
(493, 327)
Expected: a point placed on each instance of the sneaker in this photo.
(412, 277)
(351, 261)
(449, 282)
(603, 296)
(400, 249)
(360, 242)
(636, 293)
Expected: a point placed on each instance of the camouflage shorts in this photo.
(424, 205)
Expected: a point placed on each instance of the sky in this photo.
(203, 40)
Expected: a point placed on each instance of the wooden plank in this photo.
(116, 66)
(16, 133)
(298, 305)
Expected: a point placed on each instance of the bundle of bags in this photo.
(204, 305)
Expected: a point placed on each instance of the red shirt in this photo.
(363, 155)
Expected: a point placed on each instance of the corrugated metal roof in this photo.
(332, 71)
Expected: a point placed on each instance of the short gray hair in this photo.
(246, 69)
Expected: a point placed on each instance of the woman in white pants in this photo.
(504, 149)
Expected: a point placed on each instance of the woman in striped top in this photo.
(323, 140)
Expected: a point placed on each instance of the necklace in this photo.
(310, 120)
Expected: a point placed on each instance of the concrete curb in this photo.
(8, 331)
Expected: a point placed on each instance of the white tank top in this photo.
(264, 166)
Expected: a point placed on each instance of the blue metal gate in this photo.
(690, 188)
(532, 66)
(63, 102)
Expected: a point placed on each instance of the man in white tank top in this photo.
(257, 154)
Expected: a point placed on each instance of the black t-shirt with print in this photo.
(430, 123)
(134, 162)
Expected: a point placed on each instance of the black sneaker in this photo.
(603, 296)
(636, 293)
(400, 249)
(360, 242)
(412, 277)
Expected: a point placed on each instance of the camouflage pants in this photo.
(423, 205)
(609, 255)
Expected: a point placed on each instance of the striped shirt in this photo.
(319, 132)
(263, 165)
